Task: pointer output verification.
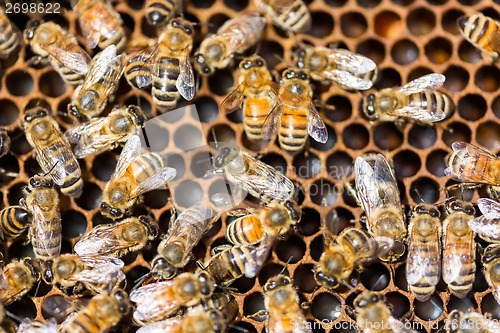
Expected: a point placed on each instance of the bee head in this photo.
(75, 113)
(207, 284)
(276, 282)
(151, 225)
(38, 181)
(254, 61)
(31, 114)
(137, 114)
(183, 24)
(491, 253)
(162, 269)
(123, 301)
(201, 65)
(427, 209)
(47, 273)
(323, 280)
(29, 32)
(225, 156)
(296, 73)
(461, 206)
(111, 212)
(368, 107)
(367, 298)
(294, 210)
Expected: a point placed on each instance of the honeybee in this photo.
(351, 249)
(199, 321)
(57, 46)
(487, 226)
(416, 101)
(234, 36)
(255, 92)
(9, 36)
(118, 239)
(134, 175)
(101, 314)
(165, 65)
(423, 266)
(14, 220)
(491, 264)
(175, 250)
(52, 151)
(470, 322)
(483, 32)
(272, 220)
(282, 305)
(4, 139)
(259, 179)
(102, 134)
(90, 98)
(45, 232)
(469, 163)
(289, 15)
(459, 248)
(374, 316)
(230, 263)
(159, 12)
(295, 115)
(379, 197)
(17, 278)
(159, 300)
(96, 273)
(347, 69)
(100, 24)
(37, 326)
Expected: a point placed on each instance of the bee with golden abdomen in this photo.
(17, 278)
(470, 163)
(229, 263)
(118, 239)
(90, 98)
(102, 134)
(259, 179)
(165, 65)
(96, 273)
(175, 250)
(423, 265)
(289, 15)
(483, 32)
(57, 46)
(351, 71)
(45, 231)
(234, 36)
(159, 12)
(10, 38)
(487, 226)
(253, 225)
(102, 313)
(100, 24)
(5, 141)
(295, 115)
(374, 316)
(256, 94)
(134, 175)
(37, 326)
(350, 250)
(459, 248)
(416, 101)
(52, 151)
(159, 300)
(283, 311)
(470, 322)
(491, 269)
(378, 194)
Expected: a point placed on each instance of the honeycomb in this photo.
(406, 38)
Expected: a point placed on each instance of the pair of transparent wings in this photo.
(132, 151)
(280, 98)
(100, 270)
(467, 154)
(419, 261)
(150, 59)
(487, 225)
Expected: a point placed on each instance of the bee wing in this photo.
(420, 114)
(100, 241)
(234, 100)
(452, 265)
(41, 226)
(144, 60)
(154, 300)
(156, 181)
(100, 69)
(100, 270)
(272, 122)
(467, 155)
(348, 80)
(169, 325)
(417, 263)
(90, 25)
(316, 126)
(258, 255)
(489, 207)
(399, 327)
(87, 137)
(185, 81)
(50, 326)
(130, 152)
(352, 62)
(427, 82)
(77, 62)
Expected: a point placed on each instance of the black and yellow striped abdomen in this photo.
(14, 220)
(9, 40)
(255, 111)
(293, 130)
(245, 230)
(430, 100)
(160, 11)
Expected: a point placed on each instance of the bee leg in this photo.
(200, 265)
(37, 60)
(258, 314)
(238, 212)
(353, 193)
(219, 249)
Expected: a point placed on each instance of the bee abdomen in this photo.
(119, 39)
(11, 40)
(296, 17)
(68, 75)
(165, 93)
(82, 324)
(293, 130)
(73, 184)
(255, 112)
(46, 239)
(14, 220)
(159, 11)
(246, 230)
(146, 166)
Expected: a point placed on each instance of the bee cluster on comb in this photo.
(365, 133)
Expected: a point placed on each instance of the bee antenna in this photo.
(215, 138)
(13, 316)
(419, 195)
(141, 279)
(286, 265)
(51, 169)
(241, 329)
